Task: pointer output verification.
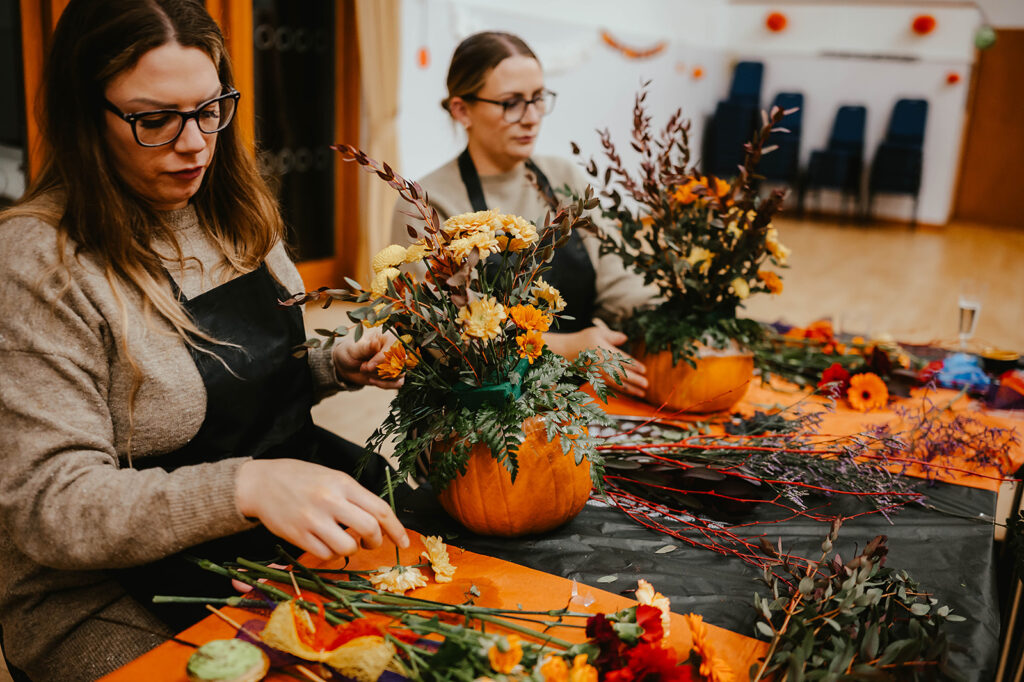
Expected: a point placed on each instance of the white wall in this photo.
(834, 53)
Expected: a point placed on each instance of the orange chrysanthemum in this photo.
(531, 345)
(867, 392)
(684, 194)
(771, 280)
(527, 317)
(582, 671)
(712, 667)
(555, 669)
(396, 360)
(505, 661)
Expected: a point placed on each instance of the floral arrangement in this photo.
(342, 623)
(470, 344)
(705, 243)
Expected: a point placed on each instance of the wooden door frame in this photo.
(235, 17)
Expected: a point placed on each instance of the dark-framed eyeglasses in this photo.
(514, 108)
(163, 126)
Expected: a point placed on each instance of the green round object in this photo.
(984, 37)
(223, 659)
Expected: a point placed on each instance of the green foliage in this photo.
(668, 328)
(833, 621)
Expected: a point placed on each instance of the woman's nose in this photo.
(191, 139)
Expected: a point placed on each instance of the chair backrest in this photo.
(746, 83)
(848, 129)
(791, 100)
(906, 127)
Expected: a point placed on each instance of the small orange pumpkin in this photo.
(550, 488)
(718, 382)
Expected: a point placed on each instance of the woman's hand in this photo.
(356, 361)
(600, 337)
(323, 511)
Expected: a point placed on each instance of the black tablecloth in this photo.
(950, 556)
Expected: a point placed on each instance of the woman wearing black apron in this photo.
(496, 92)
(150, 406)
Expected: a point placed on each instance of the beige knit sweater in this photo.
(619, 291)
(70, 505)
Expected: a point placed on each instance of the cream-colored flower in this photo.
(380, 282)
(740, 288)
(482, 318)
(645, 594)
(416, 253)
(465, 224)
(519, 232)
(483, 240)
(437, 555)
(388, 257)
(397, 579)
(542, 291)
(780, 252)
(699, 258)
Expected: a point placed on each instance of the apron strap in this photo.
(475, 190)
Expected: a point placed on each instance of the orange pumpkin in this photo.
(550, 488)
(718, 382)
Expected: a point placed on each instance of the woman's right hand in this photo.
(600, 337)
(323, 511)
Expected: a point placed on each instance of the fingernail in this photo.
(404, 542)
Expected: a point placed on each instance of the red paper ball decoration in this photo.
(923, 24)
(776, 21)
(952, 78)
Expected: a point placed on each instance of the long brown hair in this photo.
(475, 57)
(78, 188)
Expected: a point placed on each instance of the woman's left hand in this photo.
(356, 361)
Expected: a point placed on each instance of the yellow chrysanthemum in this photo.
(482, 319)
(582, 671)
(645, 594)
(437, 555)
(527, 317)
(531, 345)
(416, 253)
(485, 241)
(712, 667)
(381, 280)
(388, 257)
(505, 661)
(519, 232)
(780, 252)
(554, 669)
(699, 258)
(542, 291)
(397, 579)
(466, 224)
(740, 288)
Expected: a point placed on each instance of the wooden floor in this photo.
(894, 280)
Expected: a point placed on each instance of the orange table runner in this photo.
(845, 421)
(500, 583)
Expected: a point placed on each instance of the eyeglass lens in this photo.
(161, 127)
(516, 109)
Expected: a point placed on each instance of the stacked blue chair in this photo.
(840, 164)
(783, 164)
(896, 168)
(733, 122)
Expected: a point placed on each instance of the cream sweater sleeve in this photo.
(67, 498)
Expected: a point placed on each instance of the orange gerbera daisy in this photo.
(527, 317)
(771, 280)
(867, 392)
(505, 661)
(531, 344)
(712, 667)
(396, 360)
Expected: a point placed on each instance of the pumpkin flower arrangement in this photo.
(469, 340)
(707, 244)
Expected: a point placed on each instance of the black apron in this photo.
(572, 271)
(260, 409)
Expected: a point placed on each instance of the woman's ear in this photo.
(460, 111)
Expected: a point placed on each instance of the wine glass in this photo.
(969, 302)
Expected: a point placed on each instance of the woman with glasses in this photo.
(496, 93)
(150, 405)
